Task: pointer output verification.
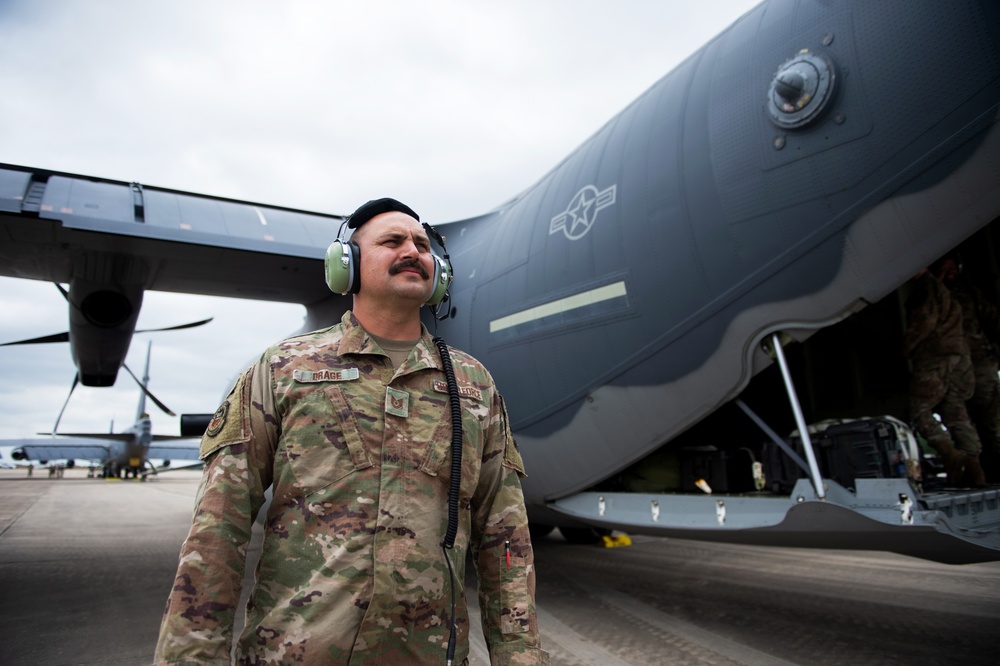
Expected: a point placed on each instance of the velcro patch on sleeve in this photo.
(512, 458)
(228, 424)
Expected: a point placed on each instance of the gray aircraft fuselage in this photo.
(624, 296)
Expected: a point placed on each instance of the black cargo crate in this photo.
(867, 449)
(862, 449)
(724, 471)
(780, 471)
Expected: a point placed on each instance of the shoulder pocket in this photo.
(511, 455)
(512, 458)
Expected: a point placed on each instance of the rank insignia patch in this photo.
(397, 403)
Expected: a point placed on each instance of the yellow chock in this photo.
(615, 541)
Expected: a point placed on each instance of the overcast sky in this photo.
(452, 107)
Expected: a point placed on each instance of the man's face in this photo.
(396, 260)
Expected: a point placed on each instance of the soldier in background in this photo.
(981, 326)
(351, 427)
(941, 378)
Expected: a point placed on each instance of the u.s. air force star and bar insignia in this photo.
(218, 420)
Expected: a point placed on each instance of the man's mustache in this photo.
(409, 263)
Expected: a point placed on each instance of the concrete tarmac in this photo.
(86, 566)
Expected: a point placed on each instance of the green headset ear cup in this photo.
(342, 265)
(441, 280)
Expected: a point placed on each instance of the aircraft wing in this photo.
(68, 448)
(187, 243)
(87, 436)
(179, 451)
(92, 448)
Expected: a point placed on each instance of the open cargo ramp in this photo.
(953, 527)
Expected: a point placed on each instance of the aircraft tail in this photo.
(141, 410)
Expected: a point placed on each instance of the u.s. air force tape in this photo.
(466, 391)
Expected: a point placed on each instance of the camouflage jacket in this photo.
(934, 322)
(352, 570)
(980, 322)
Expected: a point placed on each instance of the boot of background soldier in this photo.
(990, 462)
(953, 459)
(973, 476)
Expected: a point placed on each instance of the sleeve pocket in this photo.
(515, 598)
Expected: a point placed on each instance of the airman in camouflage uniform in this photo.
(981, 325)
(941, 377)
(354, 437)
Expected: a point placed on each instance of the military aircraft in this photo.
(776, 189)
(126, 453)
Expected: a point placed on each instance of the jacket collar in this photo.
(356, 340)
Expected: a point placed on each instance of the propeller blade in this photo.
(177, 328)
(166, 410)
(55, 337)
(76, 380)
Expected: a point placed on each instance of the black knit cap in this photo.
(375, 207)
